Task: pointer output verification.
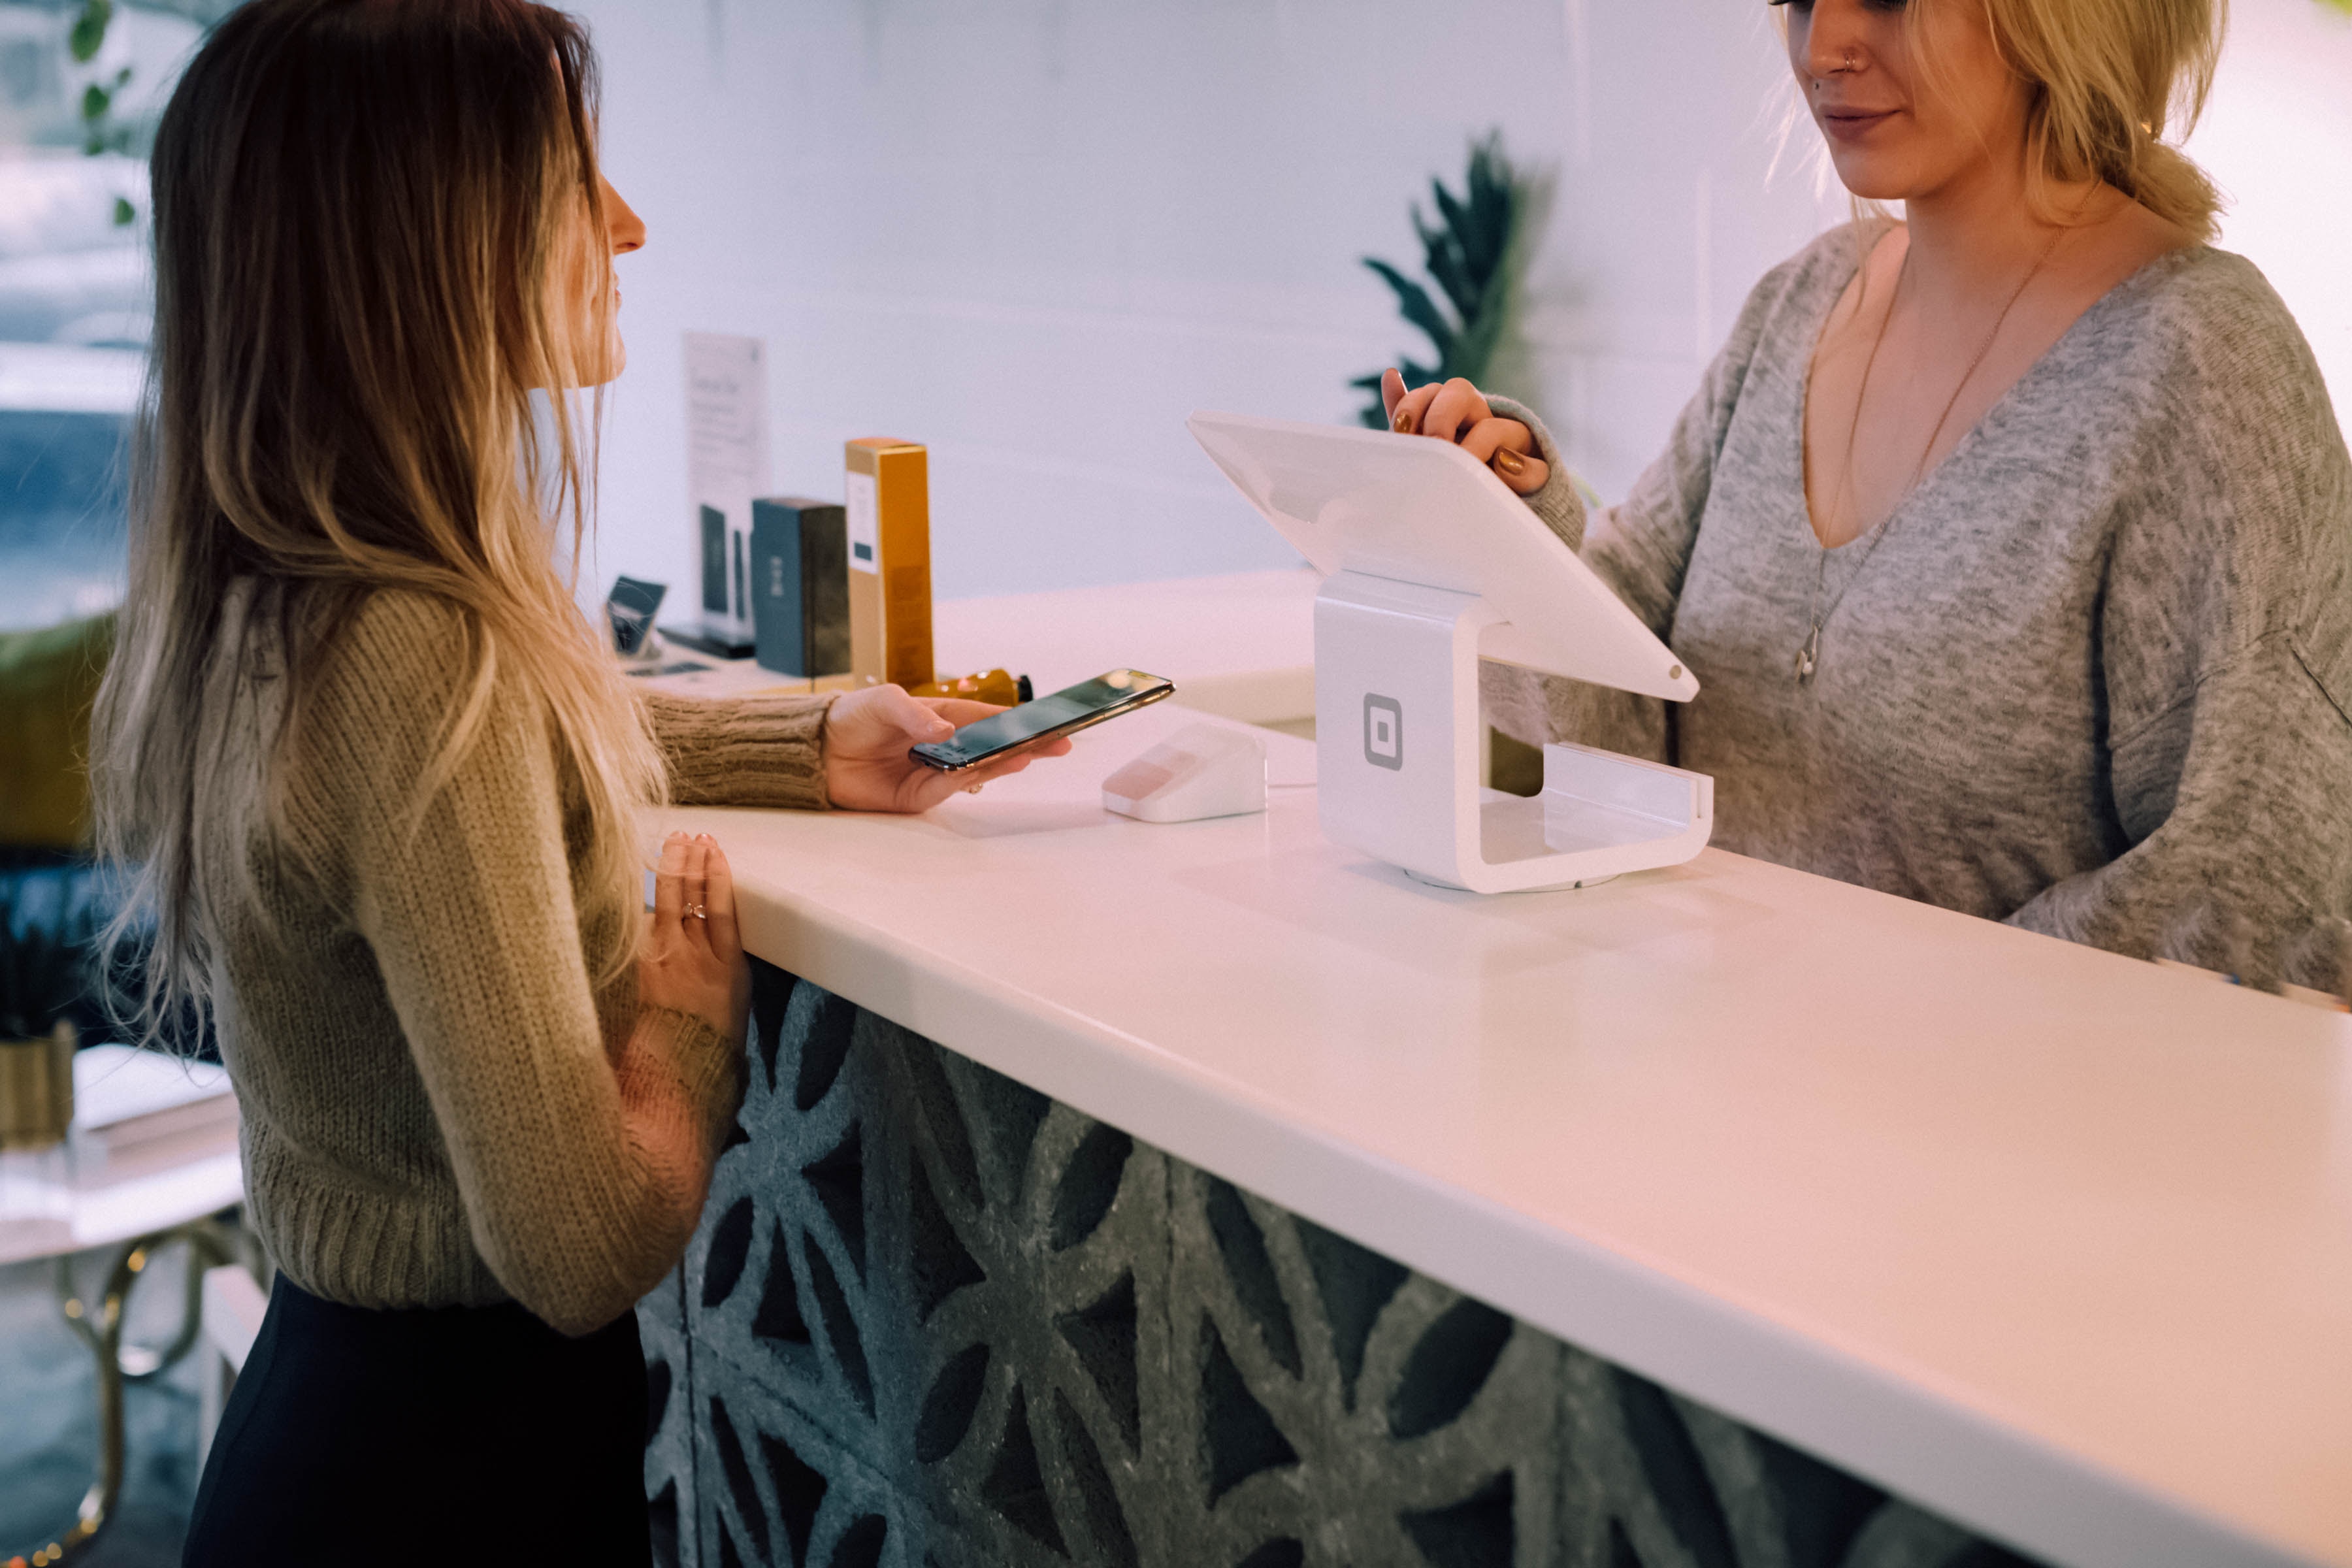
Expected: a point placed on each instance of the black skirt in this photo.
(473, 1434)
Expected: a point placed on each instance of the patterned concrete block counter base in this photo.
(934, 1317)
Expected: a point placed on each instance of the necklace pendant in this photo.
(1808, 656)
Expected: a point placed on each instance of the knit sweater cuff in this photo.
(745, 750)
(708, 1066)
(1559, 504)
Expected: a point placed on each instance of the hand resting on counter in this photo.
(691, 957)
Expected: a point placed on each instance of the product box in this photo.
(800, 586)
(889, 519)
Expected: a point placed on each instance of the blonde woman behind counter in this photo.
(378, 782)
(2012, 544)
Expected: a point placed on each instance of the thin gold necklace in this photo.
(1808, 656)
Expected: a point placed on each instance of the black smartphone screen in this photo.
(1065, 711)
(633, 606)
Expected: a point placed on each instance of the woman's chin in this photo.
(1872, 178)
(608, 370)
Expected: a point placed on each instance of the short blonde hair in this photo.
(2110, 78)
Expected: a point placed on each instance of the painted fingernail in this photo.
(1402, 423)
(1507, 461)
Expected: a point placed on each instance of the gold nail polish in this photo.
(1402, 423)
(1509, 462)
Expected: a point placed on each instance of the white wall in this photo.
(1034, 234)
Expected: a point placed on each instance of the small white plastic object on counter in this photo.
(1203, 770)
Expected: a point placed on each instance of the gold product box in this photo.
(890, 515)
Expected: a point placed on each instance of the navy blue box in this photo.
(800, 586)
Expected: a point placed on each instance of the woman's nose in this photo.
(621, 225)
(1836, 37)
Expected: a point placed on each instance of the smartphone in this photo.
(632, 608)
(1066, 712)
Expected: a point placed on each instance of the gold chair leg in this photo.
(99, 1323)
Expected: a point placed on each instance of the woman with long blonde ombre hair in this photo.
(2011, 543)
(375, 777)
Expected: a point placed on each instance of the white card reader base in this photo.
(1397, 748)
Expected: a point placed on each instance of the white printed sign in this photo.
(726, 466)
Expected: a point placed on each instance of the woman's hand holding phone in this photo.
(692, 959)
(1456, 412)
(866, 735)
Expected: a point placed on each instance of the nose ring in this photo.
(1850, 64)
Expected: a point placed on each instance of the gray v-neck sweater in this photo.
(2092, 678)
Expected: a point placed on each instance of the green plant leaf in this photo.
(125, 214)
(95, 102)
(1444, 261)
(1456, 215)
(1486, 233)
(1417, 307)
(89, 33)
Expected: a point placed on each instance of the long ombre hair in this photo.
(370, 222)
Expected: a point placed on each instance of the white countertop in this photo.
(2054, 1242)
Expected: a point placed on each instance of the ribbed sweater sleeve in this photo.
(749, 751)
(581, 1165)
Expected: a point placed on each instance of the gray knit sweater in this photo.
(440, 1106)
(2095, 679)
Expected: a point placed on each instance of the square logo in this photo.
(1383, 731)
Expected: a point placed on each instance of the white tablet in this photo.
(1420, 510)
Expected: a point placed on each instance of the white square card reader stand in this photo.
(1432, 562)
